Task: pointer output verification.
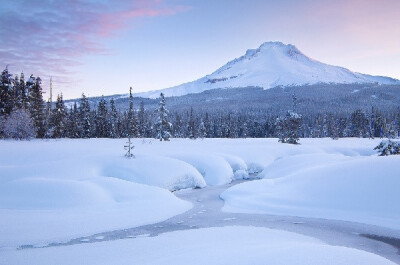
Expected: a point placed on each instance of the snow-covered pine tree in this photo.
(287, 127)
(6, 92)
(388, 147)
(132, 125)
(84, 117)
(24, 93)
(58, 118)
(102, 125)
(37, 107)
(163, 126)
(72, 123)
(191, 126)
(142, 125)
(202, 129)
(113, 119)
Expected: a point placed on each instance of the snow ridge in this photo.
(272, 64)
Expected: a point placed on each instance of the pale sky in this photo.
(104, 47)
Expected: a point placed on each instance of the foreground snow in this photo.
(360, 189)
(226, 245)
(61, 189)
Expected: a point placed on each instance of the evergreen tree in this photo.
(58, 119)
(84, 117)
(191, 126)
(113, 120)
(37, 107)
(142, 125)
(72, 129)
(132, 119)
(6, 92)
(102, 125)
(202, 130)
(163, 126)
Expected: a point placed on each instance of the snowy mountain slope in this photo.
(272, 64)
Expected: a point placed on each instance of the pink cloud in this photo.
(49, 37)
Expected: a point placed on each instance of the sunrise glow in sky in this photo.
(106, 46)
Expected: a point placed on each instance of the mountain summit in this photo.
(272, 64)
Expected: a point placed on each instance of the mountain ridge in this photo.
(270, 65)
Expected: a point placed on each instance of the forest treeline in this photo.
(24, 114)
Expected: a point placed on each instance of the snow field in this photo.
(56, 190)
(223, 245)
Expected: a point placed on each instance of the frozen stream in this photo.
(206, 212)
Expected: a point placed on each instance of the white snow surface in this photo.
(362, 189)
(224, 245)
(55, 190)
(272, 64)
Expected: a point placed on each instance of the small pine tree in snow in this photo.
(388, 147)
(129, 147)
(162, 126)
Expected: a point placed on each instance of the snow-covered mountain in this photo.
(272, 64)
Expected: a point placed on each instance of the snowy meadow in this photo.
(52, 191)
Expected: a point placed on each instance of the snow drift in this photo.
(358, 189)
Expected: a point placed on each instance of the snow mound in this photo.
(215, 169)
(238, 165)
(222, 245)
(158, 171)
(361, 190)
(66, 209)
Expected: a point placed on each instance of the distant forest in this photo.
(24, 114)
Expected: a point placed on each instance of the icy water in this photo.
(206, 212)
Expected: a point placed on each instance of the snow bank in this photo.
(362, 190)
(56, 190)
(39, 211)
(226, 245)
(158, 171)
(215, 169)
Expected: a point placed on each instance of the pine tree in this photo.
(132, 125)
(24, 93)
(37, 106)
(6, 92)
(202, 130)
(142, 126)
(288, 126)
(191, 126)
(113, 120)
(163, 126)
(84, 117)
(58, 119)
(102, 125)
